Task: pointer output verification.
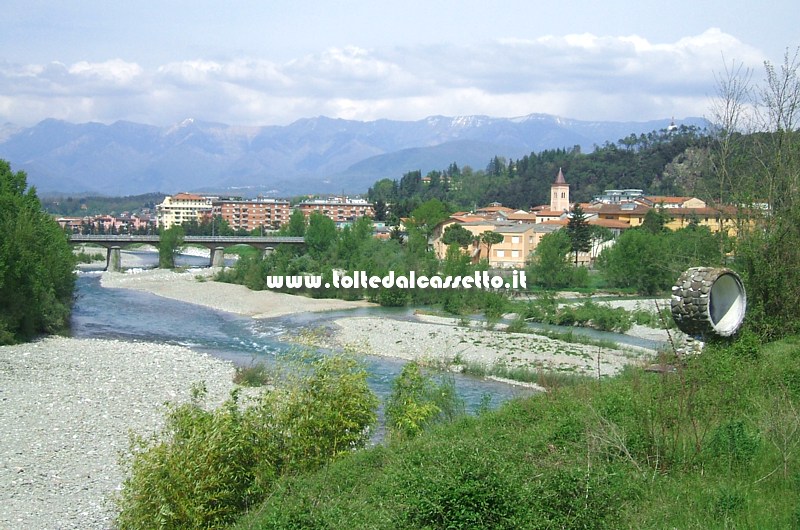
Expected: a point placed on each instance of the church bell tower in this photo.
(559, 194)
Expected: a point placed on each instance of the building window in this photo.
(515, 253)
(500, 253)
(515, 239)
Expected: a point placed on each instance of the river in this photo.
(129, 315)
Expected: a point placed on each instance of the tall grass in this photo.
(712, 445)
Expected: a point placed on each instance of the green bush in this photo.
(418, 401)
(466, 491)
(733, 444)
(518, 325)
(83, 257)
(545, 309)
(256, 374)
(207, 467)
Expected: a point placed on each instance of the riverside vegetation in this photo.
(37, 278)
(710, 445)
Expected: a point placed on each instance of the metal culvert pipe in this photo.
(709, 301)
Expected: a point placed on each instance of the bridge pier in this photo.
(114, 259)
(218, 257)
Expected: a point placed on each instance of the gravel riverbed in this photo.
(67, 408)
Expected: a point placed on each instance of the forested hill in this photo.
(660, 163)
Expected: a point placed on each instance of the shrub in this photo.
(253, 375)
(467, 492)
(518, 325)
(203, 470)
(206, 467)
(417, 401)
(733, 444)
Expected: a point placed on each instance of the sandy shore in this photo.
(67, 407)
(195, 287)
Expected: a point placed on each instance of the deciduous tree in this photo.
(170, 242)
(37, 279)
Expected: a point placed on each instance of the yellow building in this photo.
(181, 208)
(519, 240)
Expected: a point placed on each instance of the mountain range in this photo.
(314, 155)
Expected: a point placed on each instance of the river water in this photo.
(129, 315)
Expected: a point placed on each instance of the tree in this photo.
(418, 401)
(381, 210)
(296, 227)
(766, 166)
(350, 242)
(429, 214)
(550, 267)
(207, 467)
(320, 234)
(37, 278)
(579, 232)
(655, 220)
(489, 238)
(170, 242)
(455, 234)
(637, 260)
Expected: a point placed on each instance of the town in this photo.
(520, 231)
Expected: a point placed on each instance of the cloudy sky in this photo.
(273, 62)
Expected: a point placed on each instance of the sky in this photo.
(272, 62)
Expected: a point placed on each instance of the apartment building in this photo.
(249, 215)
(181, 208)
(341, 210)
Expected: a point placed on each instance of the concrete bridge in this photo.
(217, 244)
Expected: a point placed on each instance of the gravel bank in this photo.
(184, 286)
(441, 340)
(66, 409)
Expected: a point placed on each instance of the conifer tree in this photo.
(580, 233)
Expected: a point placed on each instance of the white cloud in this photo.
(114, 72)
(581, 76)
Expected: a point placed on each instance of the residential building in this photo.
(181, 208)
(619, 196)
(341, 210)
(519, 242)
(519, 239)
(671, 202)
(125, 223)
(249, 215)
(475, 224)
(630, 213)
(71, 224)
